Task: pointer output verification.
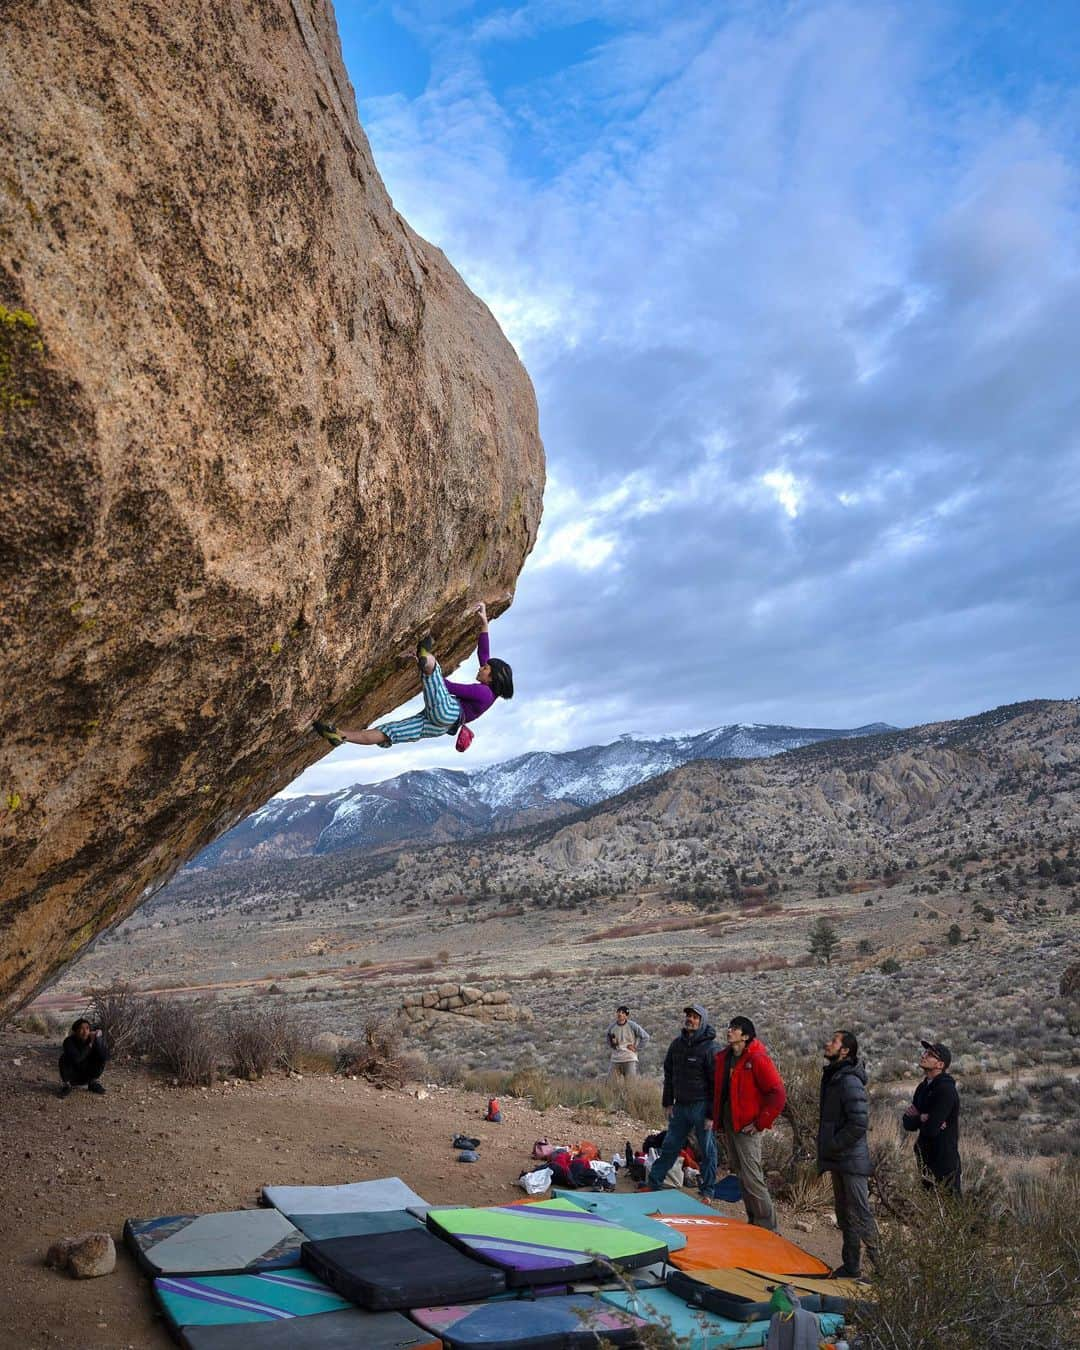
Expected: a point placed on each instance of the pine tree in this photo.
(824, 940)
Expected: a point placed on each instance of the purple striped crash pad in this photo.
(545, 1243)
(221, 1300)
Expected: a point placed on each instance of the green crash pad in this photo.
(547, 1242)
(696, 1329)
(632, 1211)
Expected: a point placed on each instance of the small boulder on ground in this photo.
(85, 1256)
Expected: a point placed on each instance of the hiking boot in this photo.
(328, 732)
(842, 1273)
(647, 1186)
(96, 1087)
(65, 1090)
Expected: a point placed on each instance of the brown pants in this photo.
(744, 1156)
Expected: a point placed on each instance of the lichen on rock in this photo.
(257, 436)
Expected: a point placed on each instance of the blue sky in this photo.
(798, 286)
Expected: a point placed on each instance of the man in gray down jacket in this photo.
(842, 1149)
(689, 1070)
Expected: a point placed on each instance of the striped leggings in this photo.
(441, 715)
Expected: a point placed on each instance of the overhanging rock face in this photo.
(257, 436)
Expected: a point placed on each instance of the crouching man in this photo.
(83, 1058)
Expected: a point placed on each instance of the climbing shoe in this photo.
(65, 1091)
(97, 1087)
(424, 648)
(328, 732)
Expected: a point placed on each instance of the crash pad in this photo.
(844, 1291)
(231, 1243)
(563, 1323)
(355, 1197)
(221, 1300)
(617, 1204)
(697, 1329)
(746, 1296)
(318, 1227)
(714, 1242)
(346, 1330)
(407, 1269)
(625, 1211)
(545, 1243)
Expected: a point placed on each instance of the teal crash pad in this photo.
(628, 1211)
(223, 1300)
(696, 1329)
(320, 1227)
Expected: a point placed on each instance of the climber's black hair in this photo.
(502, 678)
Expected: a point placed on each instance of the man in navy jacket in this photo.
(935, 1114)
(689, 1072)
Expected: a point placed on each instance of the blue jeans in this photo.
(684, 1121)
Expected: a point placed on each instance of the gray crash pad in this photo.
(234, 1242)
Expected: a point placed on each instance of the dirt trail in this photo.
(146, 1148)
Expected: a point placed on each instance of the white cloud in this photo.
(768, 264)
(787, 490)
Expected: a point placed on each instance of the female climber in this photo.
(447, 706)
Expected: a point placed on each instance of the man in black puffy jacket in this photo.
(82, 1058)
(689, 1070)
(842, 1149)
(935, 1113)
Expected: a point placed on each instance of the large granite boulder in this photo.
(256, 436)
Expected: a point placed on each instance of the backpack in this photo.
(542, 1149)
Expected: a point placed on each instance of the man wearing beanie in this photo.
(689, 1068)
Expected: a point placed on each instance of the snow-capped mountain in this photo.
(440, 804)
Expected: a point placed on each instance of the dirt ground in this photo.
(147, 1148)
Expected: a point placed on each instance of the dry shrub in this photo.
(807, 1191)
(262, 1039)
(35, 1024)
(636, 1097)
(120, 1014)
(376, 1056)
(802, 1081)
(673, 968)
(997, 1270)
(183, 1038)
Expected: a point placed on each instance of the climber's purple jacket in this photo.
(474, 698)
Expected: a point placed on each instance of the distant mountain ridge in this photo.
(438, 805)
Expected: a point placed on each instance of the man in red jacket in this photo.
(748, 1097)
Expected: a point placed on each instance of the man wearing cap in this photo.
(625, 1038)
(689, 1072)
(935, 1114)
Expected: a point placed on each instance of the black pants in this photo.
(950, 1183)
(79, 1074)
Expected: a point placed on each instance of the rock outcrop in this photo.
(423, 1010)
(257, 436)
